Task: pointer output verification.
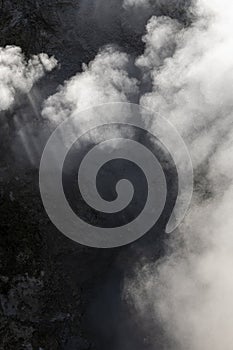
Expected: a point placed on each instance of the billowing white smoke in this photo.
(191, 290)
(105, 79)
(193, 87)
(18, 75)
(160, 42)
(191, 72)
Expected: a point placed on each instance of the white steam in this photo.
(190, 70)
(18, 75)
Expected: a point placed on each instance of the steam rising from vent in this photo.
(18, 75)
